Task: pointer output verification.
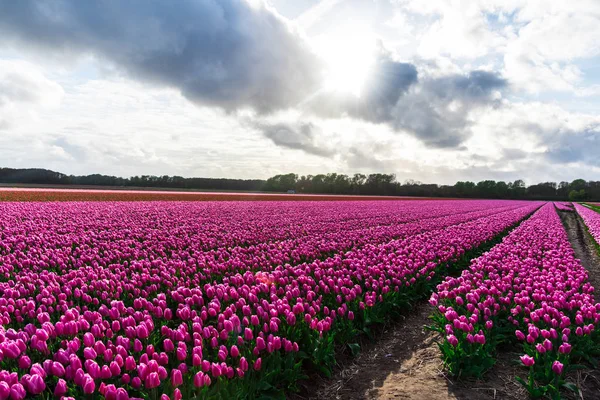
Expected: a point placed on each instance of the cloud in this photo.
(23, 90)
(237, 54)
(78, 153)
(575, 147)
(461, 32)
(513, 154)
(228, 53)
(434, 110)
(388, 80)
(299, 136)
(367, 158)
(311, 16)
(438, 113)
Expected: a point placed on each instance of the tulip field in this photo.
(564, 206)
(591, 219)
(232, 300)
(530, 291)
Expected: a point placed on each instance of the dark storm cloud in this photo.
(294, 136)
(226, 53)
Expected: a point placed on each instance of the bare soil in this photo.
(404, 362)
(584, 246)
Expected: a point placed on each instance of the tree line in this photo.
(357, 184)
(388, 185)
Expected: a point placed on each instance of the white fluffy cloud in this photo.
(23, 91)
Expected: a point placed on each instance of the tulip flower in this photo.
(528, 361)
(557, 367)
(4, 390)
(199, 379)
(176, 377)
(60, 388)
(177, 394)
(17, 392)
(89, 386)
(152, 380)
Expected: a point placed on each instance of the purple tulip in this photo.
(452, 340)
(176, 377)
(557, 367)
(17, 392)
(528, 361)
(564, 348)
(152, 380)
(4, 390)
(199, 379)
(89, 386)
(60, 388)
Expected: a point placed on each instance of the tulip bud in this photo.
(557, 367)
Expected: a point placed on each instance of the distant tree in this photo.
(578, 184)
(577, 195)
(517, 189)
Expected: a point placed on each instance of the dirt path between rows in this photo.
(404, 362)
(584, 247)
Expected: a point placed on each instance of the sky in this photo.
(434, 91)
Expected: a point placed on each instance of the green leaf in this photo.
(354, 348)
(571, 386)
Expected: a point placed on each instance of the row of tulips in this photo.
(218, 247)
(117, 301)
(529, 291)
(591, 219)
(564, 206)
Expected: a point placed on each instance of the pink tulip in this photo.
(176, 377)
(452, 340)
(36, 384)
(199, 379)
(122, 394)
(557, 367)
(152, 380)
(60, 388)
(564, 348)
(527, 360)
(4, 390)
(17, 392)
(89, 386)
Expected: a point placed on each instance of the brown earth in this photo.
(405, 363)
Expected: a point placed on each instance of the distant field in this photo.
(118, 188)
(53, 194)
